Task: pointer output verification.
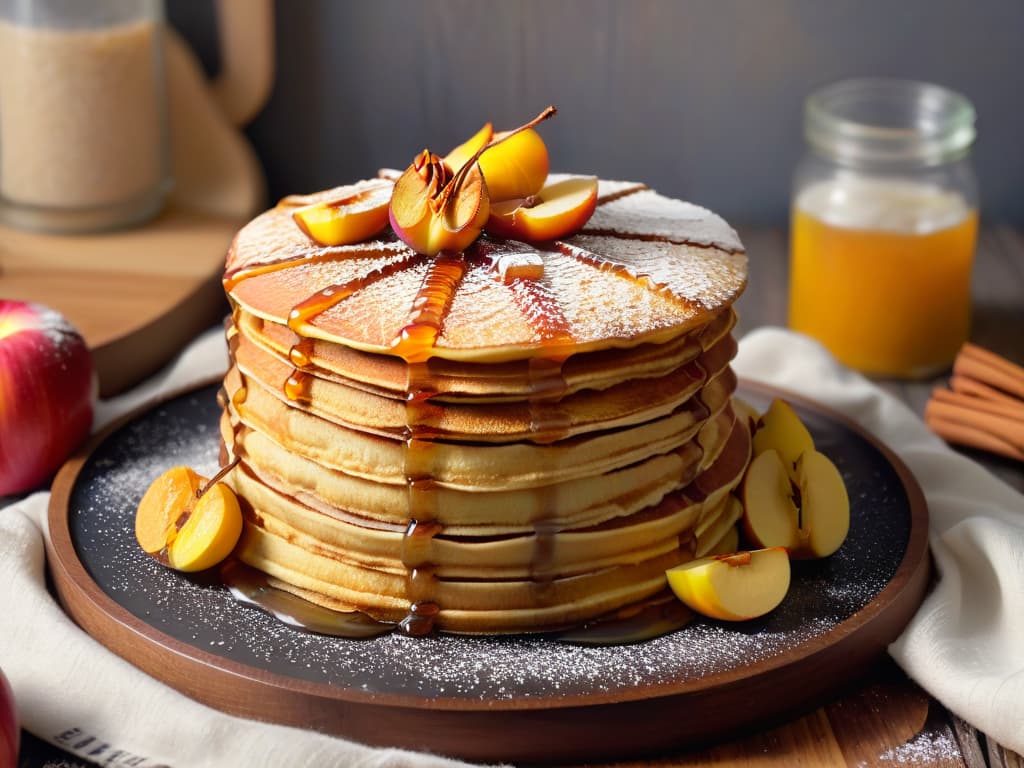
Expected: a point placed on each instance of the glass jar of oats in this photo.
(884, 223)
(83, 127)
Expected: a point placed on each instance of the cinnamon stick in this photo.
(984, 407)
(1007, 430)
(968, 386)
(1008, 409)
(962, 434)
(990, 368)
(991, 358)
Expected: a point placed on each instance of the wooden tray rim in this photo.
(83, 599)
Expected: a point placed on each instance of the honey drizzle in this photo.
(415, 341)
(296, 386)
(547, 386)
(302, 313)
(617, 269)
(253, 588)
(233, 277)
(422, 421)
(238, 396)
(548, 423)
(422, 425)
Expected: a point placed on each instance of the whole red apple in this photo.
(10, 731)
(47, 385)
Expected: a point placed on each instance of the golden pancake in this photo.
(428, 438)
(597, 291)
(585, 564)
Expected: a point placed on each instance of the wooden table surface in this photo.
(884, 719)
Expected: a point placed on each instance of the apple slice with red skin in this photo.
(47, 390)
(733, 587)
(558, 210)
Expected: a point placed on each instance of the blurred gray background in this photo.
(701, 99)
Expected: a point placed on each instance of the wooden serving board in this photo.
(528, 699)
(137, 295)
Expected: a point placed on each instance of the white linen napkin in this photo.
(73, 692)
(965, 645)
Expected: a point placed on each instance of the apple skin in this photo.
(10, 731)
(47, 390)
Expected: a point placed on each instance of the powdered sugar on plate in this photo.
(198, 611)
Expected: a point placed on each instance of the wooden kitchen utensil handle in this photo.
(246, 33)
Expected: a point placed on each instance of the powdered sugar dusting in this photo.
(926, 748)
(648, 214)
(699, 276)
(199, 611)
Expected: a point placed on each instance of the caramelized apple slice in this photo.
(459, 156)
(513, 168)
(189, 527)
(433, 212)
(559, 209)
(348, 220)
(515, 165)
(733, 587)
(434, 209)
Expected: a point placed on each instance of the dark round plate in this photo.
(484, 698)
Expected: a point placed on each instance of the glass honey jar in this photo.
(884, 225)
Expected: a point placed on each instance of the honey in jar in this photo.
(884, 223)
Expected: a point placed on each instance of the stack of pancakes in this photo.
(516, 438)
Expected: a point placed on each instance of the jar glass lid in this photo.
(889, 122)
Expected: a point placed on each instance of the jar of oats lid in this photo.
(83, 124)
(884, 224)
